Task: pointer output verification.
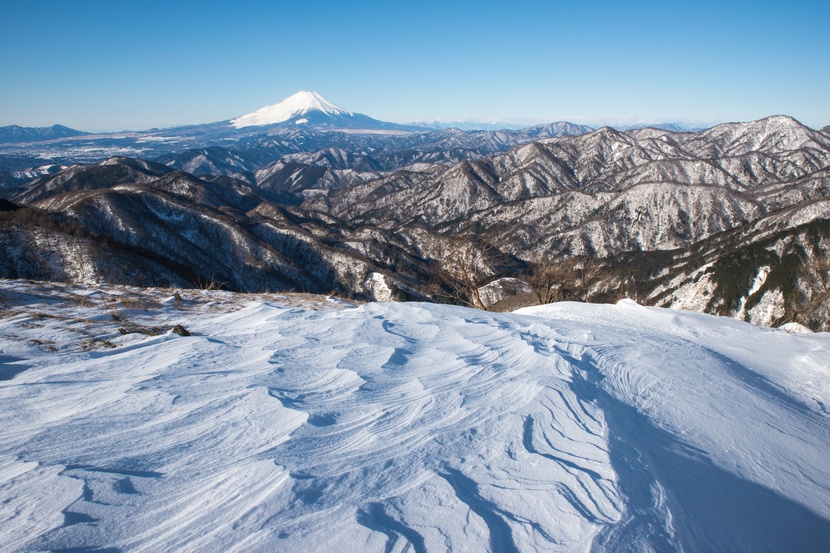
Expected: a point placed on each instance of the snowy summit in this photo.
(297, 106)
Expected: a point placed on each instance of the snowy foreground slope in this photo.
(300, 424)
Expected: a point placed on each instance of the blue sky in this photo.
(117, 64)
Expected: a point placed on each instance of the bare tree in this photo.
(811, 305)
(462, 271)
(586, 271)
(548, 280)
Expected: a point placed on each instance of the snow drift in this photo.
(392, 427)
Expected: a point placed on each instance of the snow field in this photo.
(300, 427)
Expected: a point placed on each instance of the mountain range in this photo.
(306, 195)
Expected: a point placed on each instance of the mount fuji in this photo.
(309, 109)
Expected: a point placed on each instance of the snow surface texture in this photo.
(295, 105)
(294, 425)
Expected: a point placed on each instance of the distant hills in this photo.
(14, 134)
(302, 123)
(305, 110)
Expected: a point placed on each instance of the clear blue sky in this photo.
(118, 64)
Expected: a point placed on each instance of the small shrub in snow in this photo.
(180, 330)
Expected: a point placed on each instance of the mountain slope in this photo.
(604, 192)
(213, 161)
(406, 427)
(221, 232)
(114, 171)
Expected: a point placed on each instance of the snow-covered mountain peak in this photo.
(296, 105)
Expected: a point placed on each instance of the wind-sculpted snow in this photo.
(415, 427)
